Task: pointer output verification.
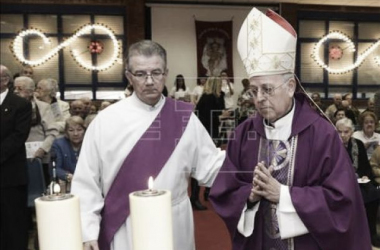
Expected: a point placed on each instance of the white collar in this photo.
(3, 95)
(145, 106)
(282, 127)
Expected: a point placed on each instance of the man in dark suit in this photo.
(16, 114)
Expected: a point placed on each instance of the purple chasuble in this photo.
(324, 190)
(146, 159)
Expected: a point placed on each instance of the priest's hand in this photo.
(91, 245)
(269, 187)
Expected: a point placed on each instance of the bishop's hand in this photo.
(268, 187)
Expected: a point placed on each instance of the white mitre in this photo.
(267, 44)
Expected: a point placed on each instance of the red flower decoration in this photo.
(335, 52)
(96, 47)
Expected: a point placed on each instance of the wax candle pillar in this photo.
(151, 219)
(58, 222)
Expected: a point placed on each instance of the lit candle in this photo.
(151, 219)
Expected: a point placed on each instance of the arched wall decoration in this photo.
(17, 47)
(359, 60)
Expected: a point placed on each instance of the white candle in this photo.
(58, 222)
(151, 219)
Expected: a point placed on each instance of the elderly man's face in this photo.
(338, 100)
(272, 95)
(21, 90)
(42, 90)
(77, 108)
(4, 80)
(148, 89)
(87, 104)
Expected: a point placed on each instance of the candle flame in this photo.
(150, 183)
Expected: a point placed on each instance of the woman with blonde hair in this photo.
(66, 150)
(209, 108)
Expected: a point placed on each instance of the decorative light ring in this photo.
(351, 47)
(17, 47)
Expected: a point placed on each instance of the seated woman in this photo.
(366, 180)
(66, 150)
(368, 122)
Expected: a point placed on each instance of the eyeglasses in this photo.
(142, 76)
(265, 90)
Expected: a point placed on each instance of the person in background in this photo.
(370, 105)
(337, 98)
(180, 91)
(198, 90)
(375, 164)
(349, 113)
(317, 100)
(87, 105)
(104, 105)
(287, 181)
(89, 119)
(368, 122)
(113, 160)
(77, 108)
(245, 103)
(16, 116)
(228, 90)
(46, 91)
(348, 97)
(93, 110)
(44, 128)
(363, 170)
(340, 113)
(209, 108)
(27, 71)
(66, 150)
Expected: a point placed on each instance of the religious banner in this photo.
(214, 48)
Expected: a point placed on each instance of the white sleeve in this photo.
(246, 222)
(290, 224)
(208, 159)
(86, 184)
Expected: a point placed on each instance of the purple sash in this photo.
(147, 158)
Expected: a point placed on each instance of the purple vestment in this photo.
(146, 159)
(324, 190)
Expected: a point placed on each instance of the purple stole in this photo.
(147, 158)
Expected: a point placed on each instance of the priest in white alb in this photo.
(143, 135)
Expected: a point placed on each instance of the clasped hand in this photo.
(264, 185)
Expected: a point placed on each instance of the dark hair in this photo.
(176, 82)
(339, 109)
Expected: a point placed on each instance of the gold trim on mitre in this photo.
(265, 46)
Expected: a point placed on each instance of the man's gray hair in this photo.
(345, 122)
(7, 73)
(52, 86)
(146, 48)
(28, 82)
